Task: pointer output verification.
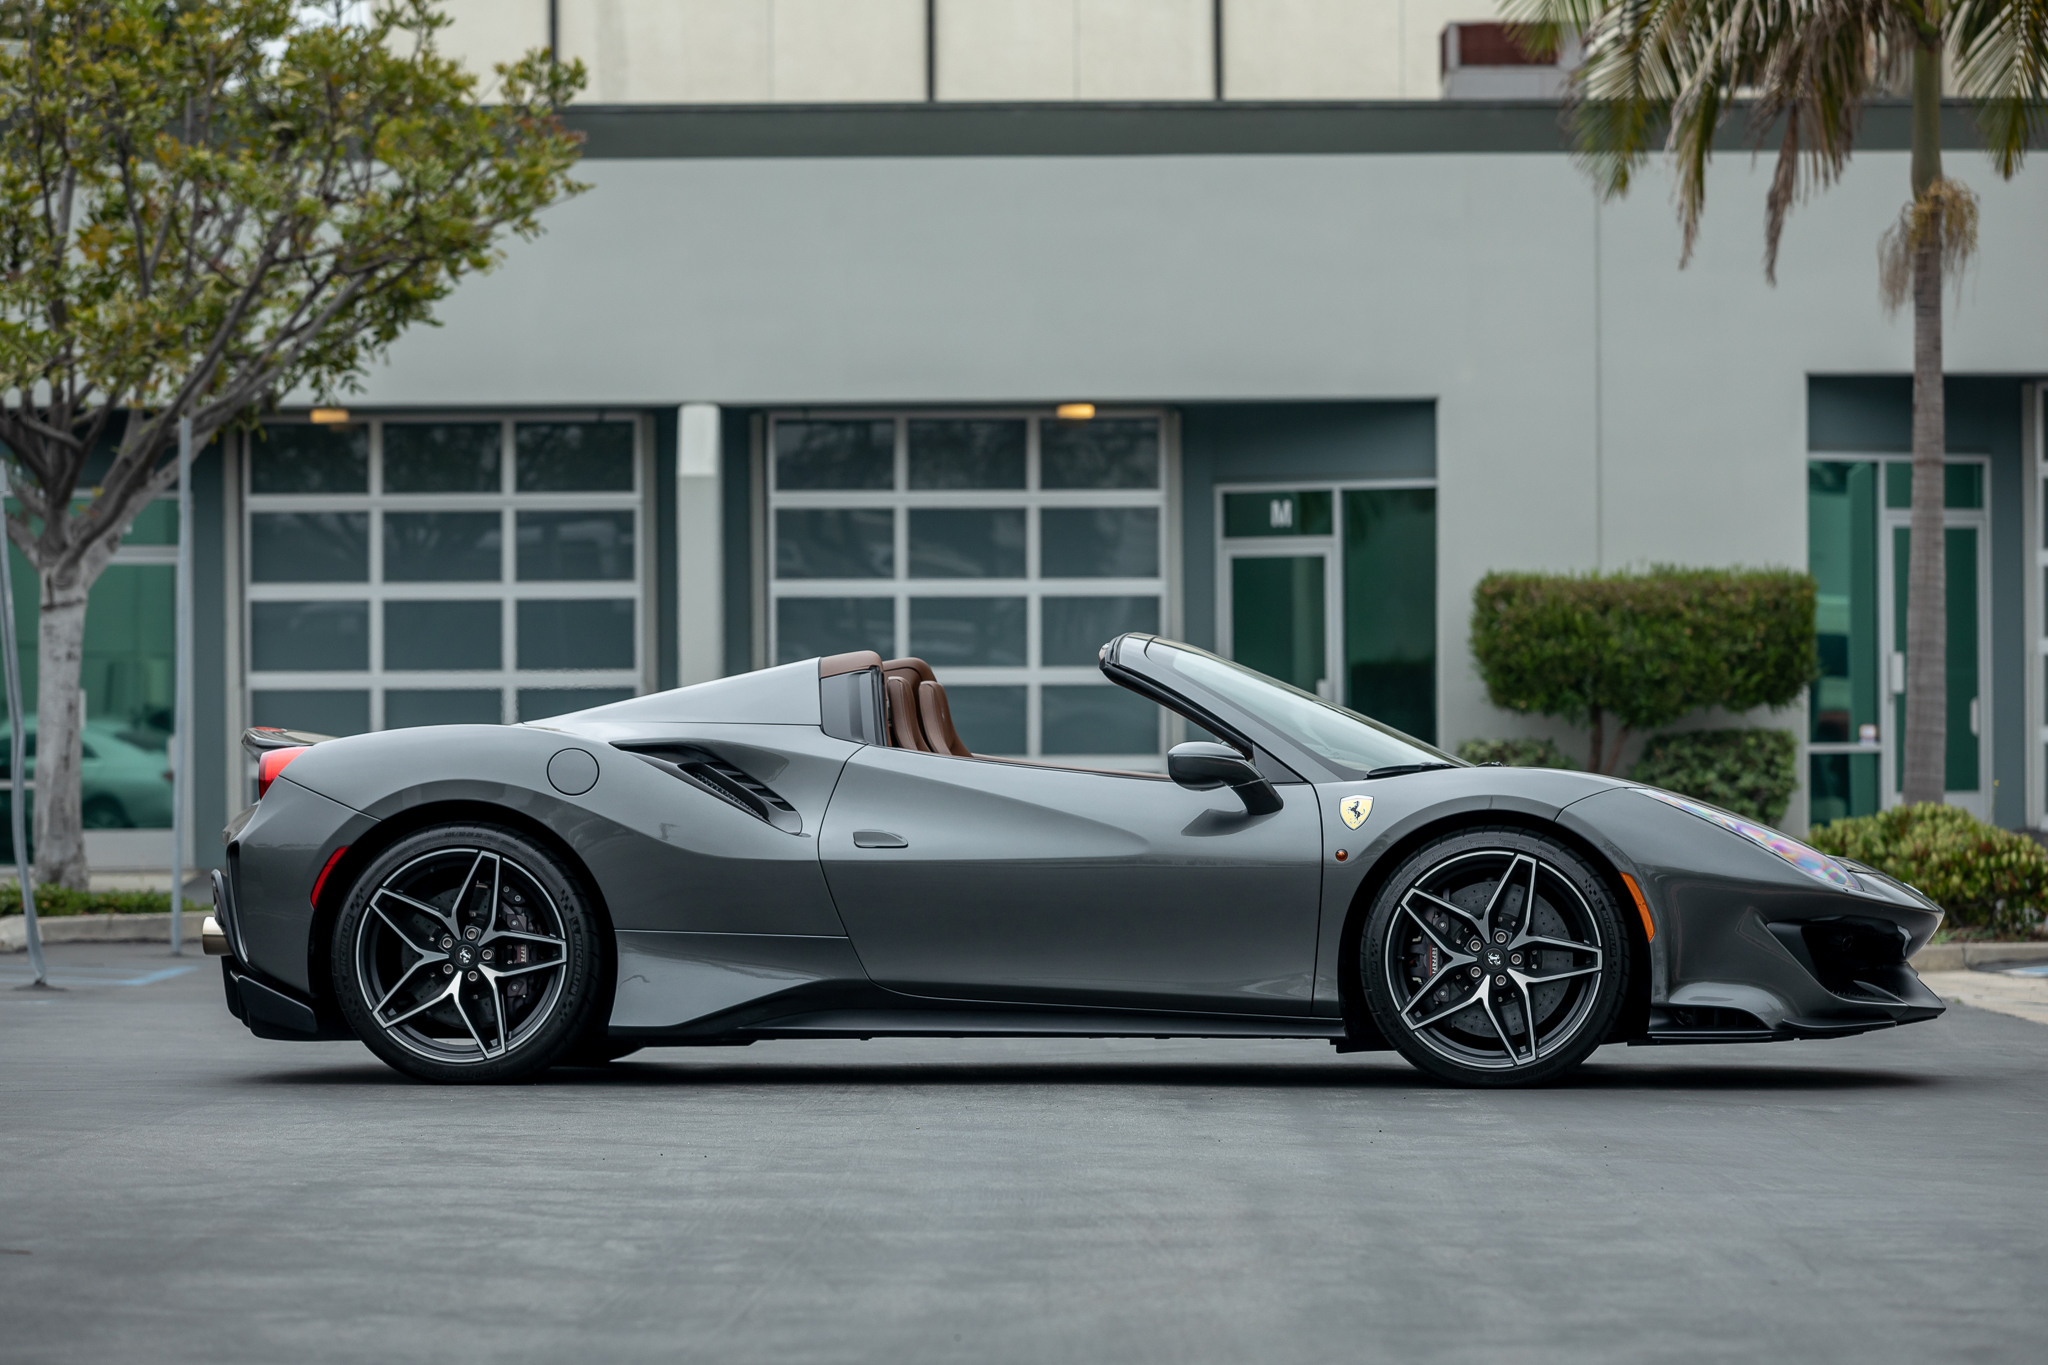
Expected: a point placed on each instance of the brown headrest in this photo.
(904, 730)
(938, 721)
(912, 671)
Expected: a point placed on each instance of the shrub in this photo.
(1751, 772)
(55, 901)
(1643, 649)
(1983, 876)
(1515, 753)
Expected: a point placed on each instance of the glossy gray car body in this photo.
(884, 890)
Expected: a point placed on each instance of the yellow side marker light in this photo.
(1642, 907)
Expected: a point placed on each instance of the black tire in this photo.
(1566, 965)
(468, 954)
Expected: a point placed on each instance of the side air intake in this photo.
(709, 773)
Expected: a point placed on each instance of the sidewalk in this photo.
(2023, 997)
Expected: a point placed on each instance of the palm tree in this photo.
(1671, 72)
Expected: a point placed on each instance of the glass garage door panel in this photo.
(1390, 607)
(1277, 621)
(1960, 548)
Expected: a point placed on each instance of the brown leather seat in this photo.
(938, 721)
(905, 732)
(919, 717)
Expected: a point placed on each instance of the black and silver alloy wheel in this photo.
(1494, 958)
(465, 953)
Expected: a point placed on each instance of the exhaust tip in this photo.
(213, 938)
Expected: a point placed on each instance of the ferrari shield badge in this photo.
(1354, 809)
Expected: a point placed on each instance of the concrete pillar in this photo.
(700, 547)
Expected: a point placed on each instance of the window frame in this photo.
(507, 589)
(900, 499)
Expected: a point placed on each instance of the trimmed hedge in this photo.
(1983, 876)
(58, 901)
(1751, 772)
(1515, 753)
(1643, 649)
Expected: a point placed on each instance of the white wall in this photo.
(487, 32)
(761, 51)
(746, 51)
(1075, 49)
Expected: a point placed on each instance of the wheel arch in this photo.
(364, 851)
(1634, 1017)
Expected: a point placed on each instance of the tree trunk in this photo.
(60, 835)
(1926, 737)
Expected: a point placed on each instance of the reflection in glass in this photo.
(835, 542)
(543, 703)
(990, 720)
(981, 632)
(443, 635)
(290, 458)
(155, 524)
(1086, 718)
(1841, 785)
(407, 707)
(1074, 629)
(1098, 542)
(1841, 548)
(1390, 607)
(576, 634)
(443, 547)
(967, 542)
(1106, 453)
(575, 546)
(318, 711)
(1278, 624)
(961, 452)
(442, 457)
(309, 547)
(309, 637)
(573, 457)
(808, 627)
(835, 454)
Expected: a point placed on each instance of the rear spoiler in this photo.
(259, 740)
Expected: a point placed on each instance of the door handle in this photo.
(878, 838)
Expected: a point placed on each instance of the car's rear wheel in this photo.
(467, 953)
(1494, 957)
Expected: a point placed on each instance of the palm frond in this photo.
(2001, 61)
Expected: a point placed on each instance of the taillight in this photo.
(271, 764)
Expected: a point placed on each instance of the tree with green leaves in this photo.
(1670, 73)
(206, 205)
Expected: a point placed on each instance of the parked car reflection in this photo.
(124, 777)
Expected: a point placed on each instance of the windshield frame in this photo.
(1135, 661)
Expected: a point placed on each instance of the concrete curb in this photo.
(1958, 957)
(97, 929)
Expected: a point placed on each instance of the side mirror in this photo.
(1201, 766)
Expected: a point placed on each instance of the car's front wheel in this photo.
(467, 953)
(1494, 957)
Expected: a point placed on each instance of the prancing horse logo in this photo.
(1354, 809)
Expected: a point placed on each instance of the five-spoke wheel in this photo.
(1494, 958)
(466, 953)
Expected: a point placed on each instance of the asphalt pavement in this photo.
(172, 1189)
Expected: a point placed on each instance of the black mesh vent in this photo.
(727, 781)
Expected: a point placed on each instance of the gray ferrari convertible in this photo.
(811, 851)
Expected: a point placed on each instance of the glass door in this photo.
(1277, 597)
(1966, 548)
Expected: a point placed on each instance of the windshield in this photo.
(1350, 744)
